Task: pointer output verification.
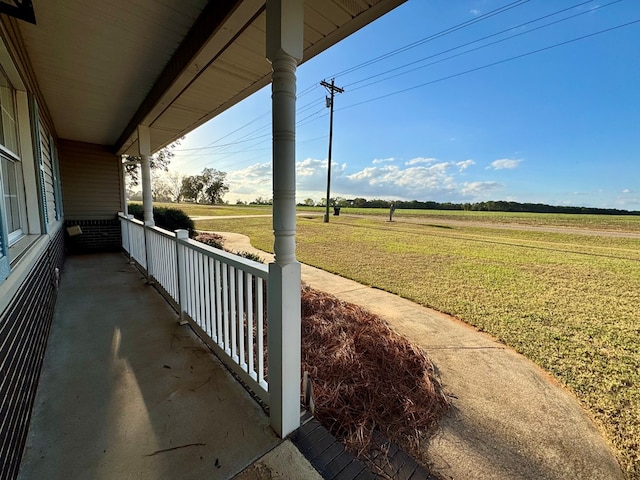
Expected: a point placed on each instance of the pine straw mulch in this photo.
(366, 377)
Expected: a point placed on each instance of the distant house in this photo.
(82, 83)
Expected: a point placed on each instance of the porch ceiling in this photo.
(105, 67)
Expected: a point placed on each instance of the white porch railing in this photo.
(222, 295)
(133, 239)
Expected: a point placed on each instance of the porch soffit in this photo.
(105, 67)
(95, 61)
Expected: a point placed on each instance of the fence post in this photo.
(148, 224)
(124, 229)
(283, 306)
(181, 236)
(128, 221)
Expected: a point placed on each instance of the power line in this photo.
(222, 165)
(476, 41)
(387, 55)
(205, 156)
(240, 141)
(244, 138)
(310, 89)
(434, 36)
(459, 74)
(318, 114)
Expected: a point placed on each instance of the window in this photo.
(11, 201)
(12, 192)
(8, 129)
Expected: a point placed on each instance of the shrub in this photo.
(136, 210)
(168, 218)
(211, 239)
(250, 256)
(216, 241)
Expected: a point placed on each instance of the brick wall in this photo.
(24, 330)
(96, 236)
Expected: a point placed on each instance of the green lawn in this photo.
(628, 223)
(197, 209)
(571, 303)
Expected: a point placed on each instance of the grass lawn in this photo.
(571, 303)
(197, 209)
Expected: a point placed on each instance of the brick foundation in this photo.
(96, 236)
(24, 330)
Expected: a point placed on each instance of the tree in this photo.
(262, 201)
(159, 161)
(309, 202)
(359, 202)
(159, 191)
(167, 187)
(191, 188)
(208, 187)
(214, 186)
(174, 185)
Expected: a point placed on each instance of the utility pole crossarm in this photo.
(332, 90)
(331, 87)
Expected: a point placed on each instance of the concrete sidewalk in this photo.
(510, 419)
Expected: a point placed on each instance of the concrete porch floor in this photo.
(127, 393)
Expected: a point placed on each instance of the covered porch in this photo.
(91, 83)
(126, 391)
(146, 76)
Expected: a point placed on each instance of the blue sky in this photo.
(561, 126)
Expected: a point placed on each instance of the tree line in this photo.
(488, 206)
(210, 187)
(166, 186)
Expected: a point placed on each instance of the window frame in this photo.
(7, 156)
(13, 236)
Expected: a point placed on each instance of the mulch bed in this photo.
(366, 377)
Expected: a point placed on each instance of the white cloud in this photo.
(311, 174)
(417, 179)
(250, 182)
(464, 164)
(420, 181)
(420, 160)
(474, 11)
(376, 161)
(626, 190)
(504, 163)
(479, 188)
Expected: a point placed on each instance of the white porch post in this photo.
(284, 50)
(144, 147)
(123, 183)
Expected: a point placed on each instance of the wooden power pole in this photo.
(332, 91)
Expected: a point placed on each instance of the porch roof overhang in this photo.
(103, 68)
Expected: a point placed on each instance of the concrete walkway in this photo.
(510, 419)
(127, 393)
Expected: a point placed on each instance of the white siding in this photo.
(90, 181)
